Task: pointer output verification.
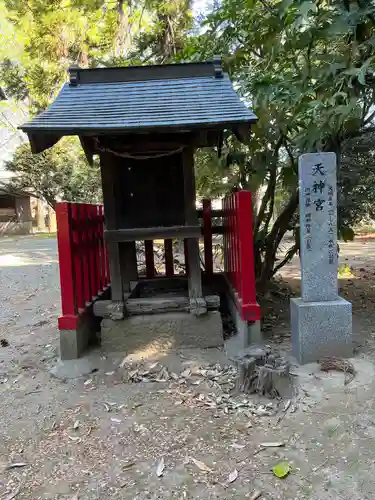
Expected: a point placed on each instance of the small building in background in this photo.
(21, 212)
(15, 211)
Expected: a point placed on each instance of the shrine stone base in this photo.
(248, 332)
(321, 329)
(74, 343)
(160, 332)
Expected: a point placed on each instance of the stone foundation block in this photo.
(74, 343)
(321, 329)
(162, 331)
(248, 332)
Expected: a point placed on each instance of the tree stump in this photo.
(262, 372)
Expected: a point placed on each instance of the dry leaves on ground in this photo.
(339, 364)
(233, 476)
(201, 466)
(160, 468)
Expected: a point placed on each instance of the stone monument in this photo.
(321, 320)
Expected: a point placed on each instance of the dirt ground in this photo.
(103, 436)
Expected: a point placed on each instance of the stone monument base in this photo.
(321, 329)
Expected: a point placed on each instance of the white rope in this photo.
(128, 155)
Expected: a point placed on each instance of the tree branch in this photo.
(291, 157)
(268, 193)
(288, 257)
(358, 133)
(274, 238)
(272, 183)
(369, 119)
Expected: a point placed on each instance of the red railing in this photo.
(84, 269)
(83, 258)
(239, 253)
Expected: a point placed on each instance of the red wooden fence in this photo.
(84, 269)
(239, 253)
(83, 258)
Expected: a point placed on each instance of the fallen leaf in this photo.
(133, 374)
(16, 465)
(256, 495)
(128, 464)
(233, 476)
(14, 494)
(160, 468)
(287, 404)
(237, 446)
(202, 466)
(275, 444)
(281, 469)
(75, 438)
(123, 362)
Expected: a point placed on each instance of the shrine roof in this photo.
(139, 100)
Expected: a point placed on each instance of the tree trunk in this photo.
(123, 35)
(273, 240)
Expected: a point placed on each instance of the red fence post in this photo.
(77, 258)
(225, 235)
(69, 317)
(246, 290)
(150, 265)
(239, 253)
(207, 237)
(90, 222)
(168, 257)
(83, 252)
(102, 253)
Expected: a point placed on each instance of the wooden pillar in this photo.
(110, 214)
(197, 303)
(128, 262)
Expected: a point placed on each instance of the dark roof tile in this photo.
(127, 105)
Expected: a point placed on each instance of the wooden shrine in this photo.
(145, 124)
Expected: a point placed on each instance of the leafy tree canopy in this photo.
(306, 67)
(60, 173)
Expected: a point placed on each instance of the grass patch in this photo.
(345, 271)
(45, 236)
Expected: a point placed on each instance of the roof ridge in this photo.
(117, 74)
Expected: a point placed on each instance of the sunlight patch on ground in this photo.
(11, 260)
(150, 352)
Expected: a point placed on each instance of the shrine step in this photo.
(154, 305)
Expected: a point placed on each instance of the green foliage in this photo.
(165, 37)
(306, 68)
(59, 173)
(13, 79)
(56, 34)
(357, 184)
